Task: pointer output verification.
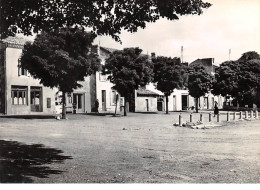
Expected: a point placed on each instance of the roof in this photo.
(109, 50)
(205, 61)
(15, 42)
(145, 92)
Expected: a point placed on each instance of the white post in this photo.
(251, 114)
(218, 119)
(246, 114)
(240, 114)
(256, 114)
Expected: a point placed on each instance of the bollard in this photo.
(251, 114)
(228, 116)
(209, 117)
(240, 115)
(218, 119)
(201, 117)
(180, 120)
(234, 116)
(191, 117)
(246, 114)
(256, 114)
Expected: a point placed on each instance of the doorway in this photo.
(78, 101)
(104, 107)
(184, 101)
(36, 99)
(147, 104)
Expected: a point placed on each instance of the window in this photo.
(113, 97)
(48, 102)
(69, 98)
(102, 77)
(19, 95)
(21, 71)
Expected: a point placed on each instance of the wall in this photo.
(2, 77)
(140, 104)
(12, 56)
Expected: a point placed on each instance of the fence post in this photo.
(180, 120)
(191, 117)
(240, 114)
(218, 119)
(201, 117)
(234, 116)
(256, 114)
(228, 116)
(246, 114)
(209, 117)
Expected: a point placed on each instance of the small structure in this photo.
(147, 101)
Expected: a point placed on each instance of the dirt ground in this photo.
(139, 148)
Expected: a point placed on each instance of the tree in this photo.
(169, 73)
(128, 70)
(240, 79)
(199, 82)
(106, 17)
(61, 59)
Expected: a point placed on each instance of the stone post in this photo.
(201, 117)
(256, 114)
(240, 114)
(246, 114)
(209, 117)
(218, 118)
(234, 116)
(228, 116)
(180, 120)
(251, 114)
(191, 117)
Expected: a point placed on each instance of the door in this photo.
(184, 101)
(147, 104)
(206, 103)
(174, 103)
(36, 99)
(78, 101)
(104, 108)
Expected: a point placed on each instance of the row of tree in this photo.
(63, 60)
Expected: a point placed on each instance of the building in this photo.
(95, 88)
(208, 101)
(20, 94)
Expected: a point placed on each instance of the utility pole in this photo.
(181, 54)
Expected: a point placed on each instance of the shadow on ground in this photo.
(30, 116)
(19, 162)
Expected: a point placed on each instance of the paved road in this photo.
(139, 148)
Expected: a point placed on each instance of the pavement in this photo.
(139, 148)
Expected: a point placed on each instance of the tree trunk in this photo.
(63, 105)
(196, 105)
(167, 112)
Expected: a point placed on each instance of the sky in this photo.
(227, 24)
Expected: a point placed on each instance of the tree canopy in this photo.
(240, 79)
(60, 59)
(199, 82)
(128, 70)
(103, 17)
(169, 73)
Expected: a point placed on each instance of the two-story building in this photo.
(20, 94)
